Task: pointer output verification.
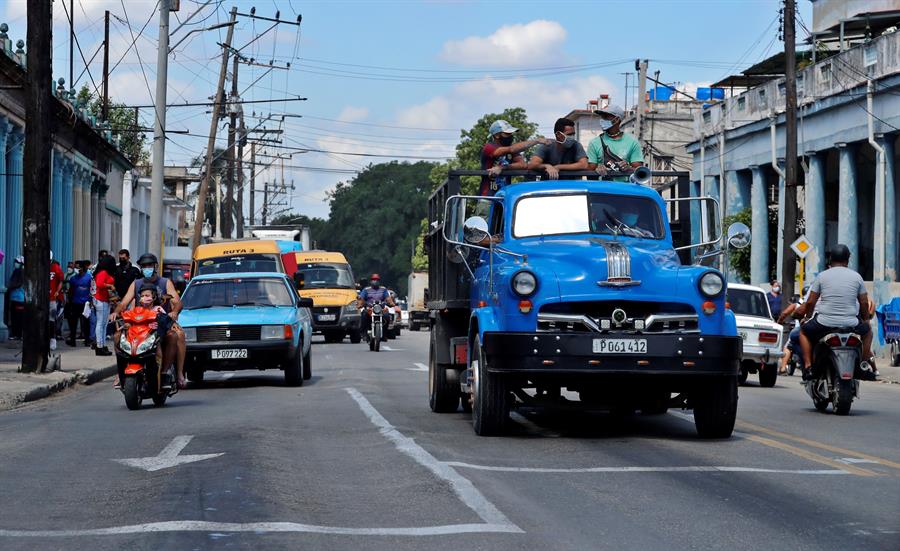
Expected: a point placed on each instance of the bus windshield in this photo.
(253, 262)
(326, 276)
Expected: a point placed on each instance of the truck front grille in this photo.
(219, 333)
(617, 317)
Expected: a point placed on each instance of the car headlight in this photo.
(711, 284)
(146, 345)
(124, 345)
(272, 332)
(524, 283)
(190, 334)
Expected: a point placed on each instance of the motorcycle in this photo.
(138, 350)
(835, 372)
(376, 326)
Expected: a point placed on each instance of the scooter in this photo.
(835, 372)
(376, 326)
(138, 351)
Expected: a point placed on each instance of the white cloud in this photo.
(536, 43)
(352, 113)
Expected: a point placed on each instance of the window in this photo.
(781, 89)
(748, 303)
(825, 74)
(870, 56)
(707, 117)
(242, 263)
(254, 291)
(801, 85)
(763, 100)
(597, 213)
(741, 103)
(326, 276)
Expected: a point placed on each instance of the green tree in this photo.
(372, 219)
(739, 259)
(123, 124)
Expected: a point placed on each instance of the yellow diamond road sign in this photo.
(802, 246)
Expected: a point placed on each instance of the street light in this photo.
(189, 33)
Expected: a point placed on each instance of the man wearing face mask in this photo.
(15, 288)
(563, 154)
(614, 150)
(126, 273)
(174, 341)
(774, 298)
(368, 297)
(501, 154)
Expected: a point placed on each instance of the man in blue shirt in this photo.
(774, 298)
(370, 296)
(79, 295)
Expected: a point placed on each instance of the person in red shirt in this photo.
(501, 154)
(56, 299)
(104, 282)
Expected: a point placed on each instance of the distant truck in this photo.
(417, 289)
(283, 233)
(577, 285)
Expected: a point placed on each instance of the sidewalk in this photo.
(888, 374)
(77, 365)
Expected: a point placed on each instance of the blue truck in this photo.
(595, 288)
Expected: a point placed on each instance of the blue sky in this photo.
(402, 77)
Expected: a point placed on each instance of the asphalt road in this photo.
(355, 459)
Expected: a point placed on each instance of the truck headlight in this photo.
(190, 334)
(711, 284)
(524, 283)
(271, 332)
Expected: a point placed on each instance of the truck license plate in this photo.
(229, 354)
(328, 317)
(620, 346)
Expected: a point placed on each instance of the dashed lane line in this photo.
(641, 469)
(419, 367)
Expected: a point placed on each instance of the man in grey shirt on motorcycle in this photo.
(839, 300)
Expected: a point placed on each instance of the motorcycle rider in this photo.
(838, 299)
(369, 296)
(173, 343)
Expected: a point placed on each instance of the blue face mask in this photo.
(148, 272)
(605, 124)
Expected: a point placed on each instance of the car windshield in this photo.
(745, 302)
(596, 213)
(210, 293)
(326, 276)
(238, 263)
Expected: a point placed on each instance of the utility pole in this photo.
(265, 209)
(213, 127)
(788, 260)
(252, 183)
(157, 171)
(242, 137)
(71, 43)
(104, 113)
(641, 66)
(35, 222)
(232, 132)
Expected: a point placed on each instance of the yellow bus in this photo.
(262, 255)
(328, 280)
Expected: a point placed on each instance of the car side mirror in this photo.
(738, 236)
(475, 230)
(299, 280)
(305, 302)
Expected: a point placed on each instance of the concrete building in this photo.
(86, 175)
(136, 238)
(847, 190)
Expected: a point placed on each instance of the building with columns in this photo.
(87, 173)
(847, 188)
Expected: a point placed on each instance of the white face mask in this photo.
(776, 289)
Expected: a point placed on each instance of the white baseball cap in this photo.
(613, 110)
(501, 125)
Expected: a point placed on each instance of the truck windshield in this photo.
(597, 213)
(745, 302)
(326, 276)
(254, 291)
(239, 263)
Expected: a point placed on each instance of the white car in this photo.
(761, 335)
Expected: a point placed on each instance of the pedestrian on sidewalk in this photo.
(126, 273)
(15, 287)
(56, 299)
(79, 296)
(104, 285)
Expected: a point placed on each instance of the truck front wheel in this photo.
(491, 401)
(443, 384)
(715, 407)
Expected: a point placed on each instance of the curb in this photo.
(40, 391)
(91, 376)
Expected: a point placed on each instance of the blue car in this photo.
(246, 321)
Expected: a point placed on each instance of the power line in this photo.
(209, 103)
(130, 46)
(81, 53)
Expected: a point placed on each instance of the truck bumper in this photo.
(558, 353)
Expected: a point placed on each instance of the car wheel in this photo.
(334, 337)
(195, 375)
(443, 385)
(355, 337)
(491, 401)
(293, 372)
(715, 407)
(768, 375)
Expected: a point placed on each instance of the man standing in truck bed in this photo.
(500, 154)
(614, 150)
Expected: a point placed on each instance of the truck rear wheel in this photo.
(443, 384)
(491, 401)
(715, 407)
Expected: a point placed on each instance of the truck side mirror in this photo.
(738, 235)
(475, 230)
(299, 280)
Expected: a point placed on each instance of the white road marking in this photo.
(638, 469)
(389, 349)
(464, 489)
(168, 457)
(419, 367)
(852, 460)
(263, 527)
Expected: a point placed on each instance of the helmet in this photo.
(840, 253)
(147, 258)
(375, 276)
